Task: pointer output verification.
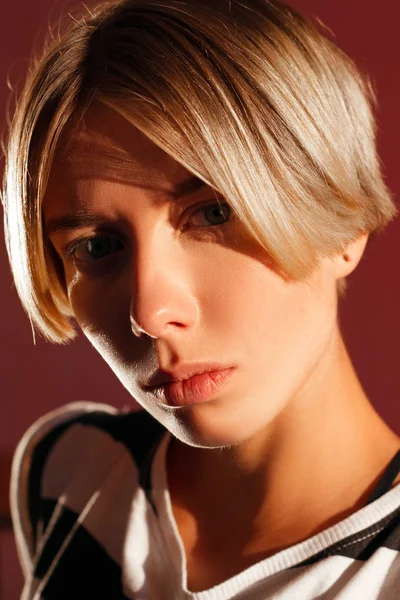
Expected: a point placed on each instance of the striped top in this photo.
(93, 520)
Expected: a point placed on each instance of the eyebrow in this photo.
(189, 186)
(82, 219)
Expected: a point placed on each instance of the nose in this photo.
(161, 299)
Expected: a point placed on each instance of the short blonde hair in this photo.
(248, 95)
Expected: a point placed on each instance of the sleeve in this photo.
(27, 470)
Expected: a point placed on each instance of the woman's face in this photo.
(188, 275)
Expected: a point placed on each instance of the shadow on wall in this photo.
(11, 579)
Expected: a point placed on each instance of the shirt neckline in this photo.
(363, 518)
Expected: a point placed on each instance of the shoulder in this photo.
(66, 453)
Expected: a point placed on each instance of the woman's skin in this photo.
(291, 445)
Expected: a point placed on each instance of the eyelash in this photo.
(71, 248)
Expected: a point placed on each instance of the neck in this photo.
(310, 468)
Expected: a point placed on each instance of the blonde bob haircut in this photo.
(246, 94)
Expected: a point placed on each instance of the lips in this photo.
(183, 372)
(193, 390)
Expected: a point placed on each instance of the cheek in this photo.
(247, 301)
(302, 342)
(281, 328)
(102, 313)
(249, 298)
(95, 305)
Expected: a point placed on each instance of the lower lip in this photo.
(194, 390)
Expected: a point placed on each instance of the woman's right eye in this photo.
(93, 249)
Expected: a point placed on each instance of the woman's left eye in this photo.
(216, 214)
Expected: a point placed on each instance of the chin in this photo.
(201, 428)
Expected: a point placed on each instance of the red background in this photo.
(36, 379)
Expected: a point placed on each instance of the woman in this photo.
(191, 183)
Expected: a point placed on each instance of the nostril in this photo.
(138, 330)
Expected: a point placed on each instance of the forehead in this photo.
(106, 145)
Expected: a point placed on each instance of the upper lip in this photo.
(183, 371)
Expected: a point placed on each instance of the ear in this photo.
(346, 261)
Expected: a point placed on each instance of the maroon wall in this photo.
(35, 379)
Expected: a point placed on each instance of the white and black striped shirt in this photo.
(93, 520)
